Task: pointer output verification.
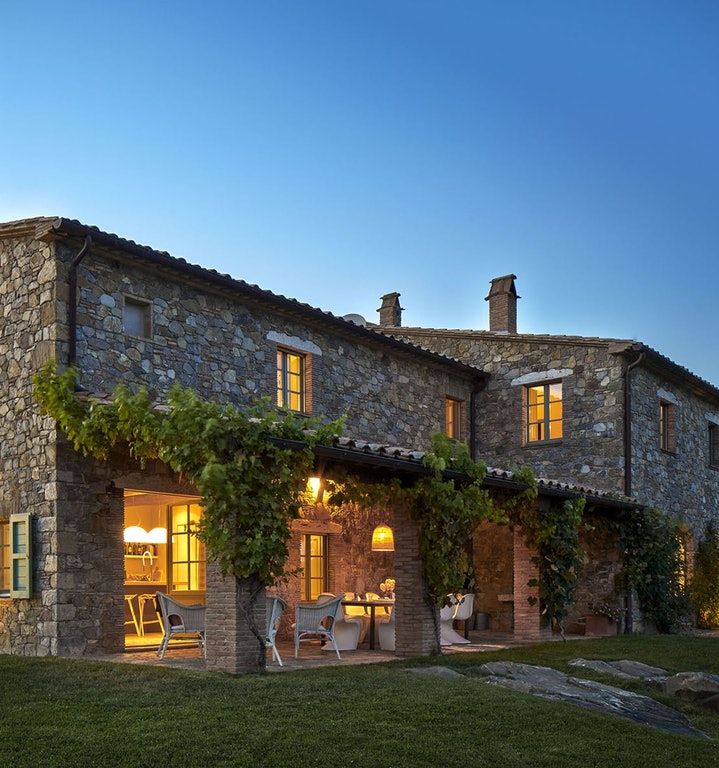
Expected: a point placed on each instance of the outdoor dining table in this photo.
(372, 605)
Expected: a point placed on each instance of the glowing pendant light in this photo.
(135, 534)
(382, 539)
(157, 536)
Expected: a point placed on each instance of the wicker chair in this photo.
(318, 620)
(179, 619)
(275, 608)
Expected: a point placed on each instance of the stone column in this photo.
(526, 616)
(231, 645)
(414, 623)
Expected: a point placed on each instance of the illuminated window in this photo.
(714, 445)
(544, 413)
(4, 558)
(667, 427)
(290, 380)
(314, 564)
(136, 318)
(187, 553)
(453, 418)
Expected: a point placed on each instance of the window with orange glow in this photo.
(544, 413)
(314, 565)
(667, 427)
(290, 380)
(187, 552)
(4, 558)
(453, 418)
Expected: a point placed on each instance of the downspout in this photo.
(629, 622)
(479, 385)
(72, 301)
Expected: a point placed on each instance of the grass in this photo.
(61, 712)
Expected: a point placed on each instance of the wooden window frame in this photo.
(457, 407)
(546, 385)
(171, 562)
(283, 375)
(714, 446)
(21, 555)
(306, 580)
(146, 306)
(5, 558)
(668, 427)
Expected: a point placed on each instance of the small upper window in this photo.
(667, 427)
(714, 445)
(4, 558)
(544, 413)
(290, 380)
(453, 418)
(136, 318)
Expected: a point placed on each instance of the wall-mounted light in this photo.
(382, 539)
(314, 487)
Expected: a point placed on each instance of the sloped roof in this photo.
(48, 227)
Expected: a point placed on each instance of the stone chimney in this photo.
(390, 313)
(503, 305)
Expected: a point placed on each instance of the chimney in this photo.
(390, 313)
(503, 305)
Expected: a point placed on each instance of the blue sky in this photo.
(334, 151)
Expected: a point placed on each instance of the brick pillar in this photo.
(231, 646)
(526, 616)
(414, 623)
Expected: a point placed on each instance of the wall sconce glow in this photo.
(157, 536)
(135, 534)
(382, 539)
(313, 486)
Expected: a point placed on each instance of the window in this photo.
(187, 552)
(453, 418)
(314, 564)
(667, 427)
(137, 318)
(290, 380)
(544, 412)
(714, 445)
(4, 558)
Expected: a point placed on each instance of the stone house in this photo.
(612, 414)
(74, 571)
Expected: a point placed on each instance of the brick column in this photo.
(414, 624)
(231, 646)
(526, 616)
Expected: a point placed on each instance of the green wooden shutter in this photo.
(20, 556)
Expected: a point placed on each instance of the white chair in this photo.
(319, 621)
(353, 612)
(179, 620)
(385, 633)
(447, 616)
(275, 608)
(347, 628)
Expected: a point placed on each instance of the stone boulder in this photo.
(625, 669)
(547, 683)
(445, 672)
(698, 687)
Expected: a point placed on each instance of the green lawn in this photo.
(59, 712)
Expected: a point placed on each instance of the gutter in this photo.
(628, 424)
(72, 301)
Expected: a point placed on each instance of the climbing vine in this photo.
(705, 583)
(252, 487)
(653, 565)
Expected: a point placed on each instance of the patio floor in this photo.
(187, 656)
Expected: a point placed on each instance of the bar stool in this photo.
(143, 600)
(129, 600)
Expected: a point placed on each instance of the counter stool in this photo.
(143, 600)
(129, 600)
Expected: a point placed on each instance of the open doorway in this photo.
(161, 554)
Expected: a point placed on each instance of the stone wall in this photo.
(591, 451)
(681, 484)
(28, 480)
(225, 348)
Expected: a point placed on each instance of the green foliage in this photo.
(652, 550)
(704, 588)
(251, 488)
(553, 530)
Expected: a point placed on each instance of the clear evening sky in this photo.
(334, 151)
